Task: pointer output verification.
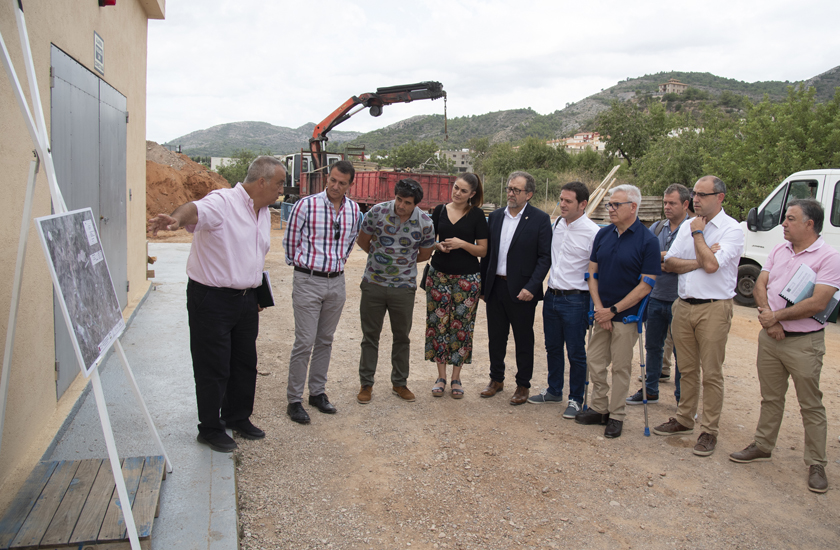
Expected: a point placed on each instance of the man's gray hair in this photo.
(264, 167)
(685, 194)
(530, 183)
(632, 192)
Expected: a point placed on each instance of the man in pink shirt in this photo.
(232, 230)
(792, 343)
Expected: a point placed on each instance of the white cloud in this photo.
(290, 62)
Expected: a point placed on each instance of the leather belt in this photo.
(794, 334)
(502, 277)
(325, 274)
(566, 292)
(234, 291)
(697, 301)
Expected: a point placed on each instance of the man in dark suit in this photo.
(518, 258)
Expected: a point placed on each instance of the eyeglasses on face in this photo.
(698, 194)
(615, 205)
(513, 190)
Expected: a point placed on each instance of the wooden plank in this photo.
(90, 520)
(23, 502)
(148, 494)
(42, 512)
(68, 512)
(113, 526)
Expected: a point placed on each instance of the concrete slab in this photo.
(198, 499)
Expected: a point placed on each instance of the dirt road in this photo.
(479, 473)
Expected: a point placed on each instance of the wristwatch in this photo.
(613, 310)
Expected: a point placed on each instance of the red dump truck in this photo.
(374, 187)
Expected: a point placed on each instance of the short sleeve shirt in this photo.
(666, 284)
(622, 259)
(783, 262)
(470, 228)
(230, 241)
(392, 260)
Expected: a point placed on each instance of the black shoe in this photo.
(247, 430)
(637, 398)
(322, 403)
(297, 413)
(590, 416)
(613, 428)
(218, 441)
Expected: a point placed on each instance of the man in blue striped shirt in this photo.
(320, 235)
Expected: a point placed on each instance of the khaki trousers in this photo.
(611, 347)
(700, 334)
(800, 358)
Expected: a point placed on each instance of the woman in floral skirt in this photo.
(453, 283)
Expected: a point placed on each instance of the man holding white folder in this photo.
(792, 343)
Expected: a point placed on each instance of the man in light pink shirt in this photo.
(232, 230)
(792, 343)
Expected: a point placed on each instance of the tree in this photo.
(409, 155)
(630, 130)
(238, 168)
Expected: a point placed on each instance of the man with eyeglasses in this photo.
(397, 235)
(658, 324)
(703, 313)
(623, 265)
(319, 237)
(518, 258)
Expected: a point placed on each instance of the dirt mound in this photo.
(173, 179)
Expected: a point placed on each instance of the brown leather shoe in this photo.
(404, 393)
(520, 395)
(365, 395)
(492, 388)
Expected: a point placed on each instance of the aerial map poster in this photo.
(82, 282)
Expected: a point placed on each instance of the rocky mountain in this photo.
(498, 126)
(224, 139)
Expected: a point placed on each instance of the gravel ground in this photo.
(479, 473)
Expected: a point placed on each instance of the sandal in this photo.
(437, 391)
(456, 392)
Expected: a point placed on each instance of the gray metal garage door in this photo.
(88, 132)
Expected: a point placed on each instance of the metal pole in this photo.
(130, 375)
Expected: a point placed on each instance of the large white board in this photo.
(83, 283)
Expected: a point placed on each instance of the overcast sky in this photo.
(293, 62)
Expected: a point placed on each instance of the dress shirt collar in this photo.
(517, 216)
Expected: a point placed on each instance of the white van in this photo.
(763, 230)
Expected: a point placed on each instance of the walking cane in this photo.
(591, 320)
(638, 319)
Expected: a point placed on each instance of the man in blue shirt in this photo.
(624, 256)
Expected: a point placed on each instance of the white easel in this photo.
(38, 133)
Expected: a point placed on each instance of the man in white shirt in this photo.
(567, 299)
(703, 313)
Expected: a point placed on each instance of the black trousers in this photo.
(502, 314)
(224, 324)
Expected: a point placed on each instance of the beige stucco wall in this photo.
(33, 415)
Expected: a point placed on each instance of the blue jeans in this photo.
(564, 322)
(656, 331)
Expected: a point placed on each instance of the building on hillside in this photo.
(462, 159)
(673, 86)
(579, 142)
(90, 64)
